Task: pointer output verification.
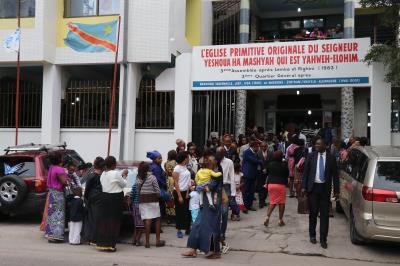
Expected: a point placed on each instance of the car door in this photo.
(346, 182)
(386, 193)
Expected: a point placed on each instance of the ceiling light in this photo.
(309, 112)
(298, 92)
(299, 9)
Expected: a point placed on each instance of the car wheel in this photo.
(339, 208)
(355, 238)
(12, 190)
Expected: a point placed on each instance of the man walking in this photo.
(249, 169)
(320, 170)
(228, 172)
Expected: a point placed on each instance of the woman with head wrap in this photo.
(158, 172)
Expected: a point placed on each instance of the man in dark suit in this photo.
(249, 169)
(264, 155)
(320, 171)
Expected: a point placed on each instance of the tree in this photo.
(387, 53)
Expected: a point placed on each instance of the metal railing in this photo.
(30, 115)
(86, 104)
(154, 109)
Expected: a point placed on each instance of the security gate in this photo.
(213, 111)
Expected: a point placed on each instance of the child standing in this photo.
(239, 195)
(194, 203)
(203, 179)
(137, 218)
(76, 212)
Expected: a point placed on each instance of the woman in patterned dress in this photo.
(56, 181)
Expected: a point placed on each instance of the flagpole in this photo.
(114, 85)
(18, 76)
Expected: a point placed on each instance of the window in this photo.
(30, 113)
(8, 8)
(387, 176)
(291, 24)
(395, 119)
(85, 8)
(312, 23)
(23, 166)
(154, 109)
(86, 104)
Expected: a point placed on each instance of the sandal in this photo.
(189, 254)
(160, 244)
(266, 223)
(213, 256)
(281, 223)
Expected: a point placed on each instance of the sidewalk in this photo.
(251, 235)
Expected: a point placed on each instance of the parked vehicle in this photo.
(23, 177)
(370, 193)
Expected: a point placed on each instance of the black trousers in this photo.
(248, 192)
(262, 192)
(318, 200)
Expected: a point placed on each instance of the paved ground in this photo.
(251, 243)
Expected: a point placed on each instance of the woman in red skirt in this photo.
(278, 173)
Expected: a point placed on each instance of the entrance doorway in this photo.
(305, 118)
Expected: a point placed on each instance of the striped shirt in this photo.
(149, 190)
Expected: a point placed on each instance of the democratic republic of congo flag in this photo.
(92, 38)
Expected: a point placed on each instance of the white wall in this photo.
(25, 135)
(148, 33)
(149, 140)
(395, 139)
(90, 143)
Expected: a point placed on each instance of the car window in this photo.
(357, 165)
(387, 176)
(75, 158)
(20, 166)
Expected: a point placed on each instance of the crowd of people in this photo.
(305, 34)
(196, 188)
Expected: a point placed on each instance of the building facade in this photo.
(65, 95)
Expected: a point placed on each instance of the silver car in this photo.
(370, 193)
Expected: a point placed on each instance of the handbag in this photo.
(302, 207)
(164, 195)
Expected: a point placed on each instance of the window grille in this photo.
(30, 112)
(154, 109)
(226, 22)
(86, 104)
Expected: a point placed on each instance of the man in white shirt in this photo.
(228, 172)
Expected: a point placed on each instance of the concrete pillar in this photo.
(183, 97)
(241, 95)
(347, 92)
(128, 124)
(51, 102)
(381, 94)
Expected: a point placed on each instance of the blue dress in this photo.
(206, 230)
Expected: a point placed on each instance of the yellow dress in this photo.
(204, 176)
